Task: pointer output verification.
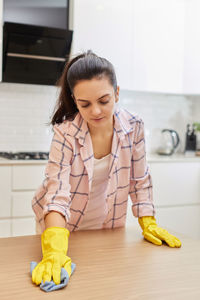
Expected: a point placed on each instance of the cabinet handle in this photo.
(36, 56)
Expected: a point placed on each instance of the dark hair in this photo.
(85, 66)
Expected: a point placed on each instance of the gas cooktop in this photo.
(25, 155)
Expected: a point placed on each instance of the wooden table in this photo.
(111, 265)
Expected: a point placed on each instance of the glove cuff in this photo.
(55, 239)
(146, 221)
(57, 229)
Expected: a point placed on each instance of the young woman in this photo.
(97, 158)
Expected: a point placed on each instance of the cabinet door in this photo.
(180, 219)
(158, 45)
(27, 177)
(23, 226)
(5, 228)
(21, 204)
(192, 48)
(5, 191)
(105, 27)
(175, 183)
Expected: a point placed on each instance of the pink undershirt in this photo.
(96, 210)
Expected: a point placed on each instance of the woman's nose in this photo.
(96, 111)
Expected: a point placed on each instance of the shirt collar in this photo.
(122, 125)
(123, 122)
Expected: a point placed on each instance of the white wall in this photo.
(25, 110)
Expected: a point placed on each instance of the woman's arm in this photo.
(54, 219)
(53, 195)
(140, 177)
(52, 201)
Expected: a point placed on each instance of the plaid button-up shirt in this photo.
(69, 172)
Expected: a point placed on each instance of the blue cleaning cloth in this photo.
(49, 286)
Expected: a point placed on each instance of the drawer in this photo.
(27, 177)
(182, 219)
(23, 226)
(5, 191)
(175, 183)
(21, 204)
(5, 228)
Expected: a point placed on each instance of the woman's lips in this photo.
(97, 120)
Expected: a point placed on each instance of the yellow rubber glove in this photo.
(155, 234)
(54, 248)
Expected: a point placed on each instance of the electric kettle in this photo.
(169, 142)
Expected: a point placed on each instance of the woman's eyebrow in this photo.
(97, 99)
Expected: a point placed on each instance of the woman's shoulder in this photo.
(131, 117)
(62, 126)
(67, 126)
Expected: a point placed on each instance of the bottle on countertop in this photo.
(197, 130)
(191, 139)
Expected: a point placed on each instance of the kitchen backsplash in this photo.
(162, 111)
(26, 109)
(24, 112)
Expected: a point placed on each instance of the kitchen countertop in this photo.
(179, 157)
(150, 158)
(5, 161)
(112, 264)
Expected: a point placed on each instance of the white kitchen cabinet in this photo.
(176, 219)
(166, 46)
(191, 75)
(26, 177)
(5, 228)
(176, 193)
(23, 226)
(158, 45)
(21, 204)
(180, 219)
(5, 190)
(106, 28)
(17, 187)
(175, 183)
(25, 180)
(154, 45)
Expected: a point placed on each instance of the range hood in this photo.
(34, 54)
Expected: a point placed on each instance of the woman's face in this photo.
(95, 100)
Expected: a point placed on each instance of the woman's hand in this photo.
(54, 248)
(155, 234)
